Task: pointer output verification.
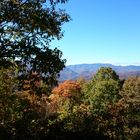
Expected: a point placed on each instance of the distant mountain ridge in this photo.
(86, 71)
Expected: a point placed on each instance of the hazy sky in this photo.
(102, 31)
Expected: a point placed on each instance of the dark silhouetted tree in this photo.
(26, 29)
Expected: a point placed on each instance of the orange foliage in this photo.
(67, 89)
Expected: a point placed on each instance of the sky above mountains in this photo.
(105, 31)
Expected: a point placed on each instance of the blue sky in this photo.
(102, 31)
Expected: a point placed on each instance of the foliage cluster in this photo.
(101, 108)
(26, 29)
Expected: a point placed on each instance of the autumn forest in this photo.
(35, 105)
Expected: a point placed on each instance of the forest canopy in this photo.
(34, 106)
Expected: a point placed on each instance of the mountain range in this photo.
(73, 72)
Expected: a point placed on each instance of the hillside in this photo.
(73, 72)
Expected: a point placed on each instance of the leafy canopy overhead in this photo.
(26, 29)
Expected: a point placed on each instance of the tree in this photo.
(66, 96)
(100, 93)
(68, 89)
(105, 73)
(105, 83)
(130, 102)
(12, 107)
(26, 29)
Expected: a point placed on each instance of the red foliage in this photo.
(67, 89)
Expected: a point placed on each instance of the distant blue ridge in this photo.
(72, 72)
